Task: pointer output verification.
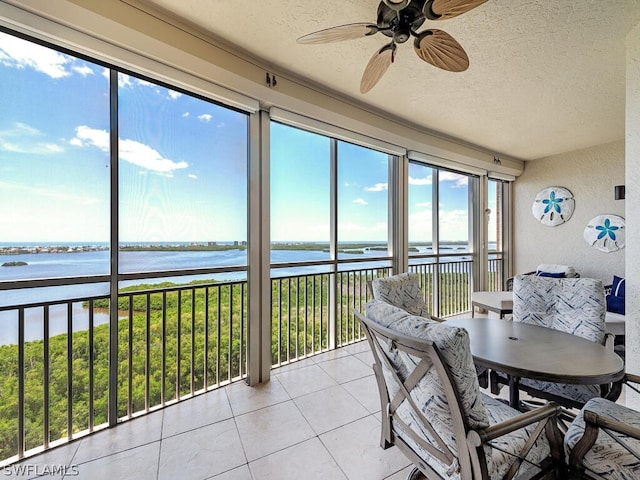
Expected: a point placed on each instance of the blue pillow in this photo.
(615, 304)
(618, 286)
(550, 274)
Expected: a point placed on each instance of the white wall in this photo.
(589, 174)
(633, 205)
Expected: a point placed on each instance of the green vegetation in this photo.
(14, 264)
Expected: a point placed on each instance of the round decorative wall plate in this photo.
(553, 206)
(606, 233)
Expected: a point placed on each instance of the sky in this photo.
(182, 165)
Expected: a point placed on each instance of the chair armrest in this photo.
(593, 422)
(630, 377)
(476, 438)
(547, 419)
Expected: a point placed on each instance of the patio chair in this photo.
(433, 411)
(402, 290)
(571, 305)
(603, 441)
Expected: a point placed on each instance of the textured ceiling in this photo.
(545, 77)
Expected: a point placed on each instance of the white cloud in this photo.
(460, 180)
(428, 180)
(191, 175)
(83, 70)
(50, 191)
(423, 205)
(18, 53)
(130, 150)
(221, 125)
(378, 187)
(185, 114)
(205, 117)
(360, 201)
(173, 95)
(23, 138)
(124, 80)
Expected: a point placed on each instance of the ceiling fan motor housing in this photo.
(399, 24)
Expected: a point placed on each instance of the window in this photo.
(453, 215)
(420, 208)
(363, 201)
(300, 195)
(183, 180)
(54, 193)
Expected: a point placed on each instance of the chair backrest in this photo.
(572, 305)
(403, 291)
(429, 389)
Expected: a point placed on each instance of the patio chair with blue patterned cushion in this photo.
(603, 441)
(402, 290)
(571, 305)
(433, 411)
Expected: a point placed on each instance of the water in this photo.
(86, 263)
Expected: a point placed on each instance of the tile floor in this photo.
(316, 419)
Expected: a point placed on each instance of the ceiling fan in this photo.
(400, 20)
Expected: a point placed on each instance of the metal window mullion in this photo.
(46, 373)
(192, 382)
(205, 373)
(21, 373)
(332, 331)
(113, 251)
(130, 359)
(218, 329)
(297, 317)
(435, 238)
(306, 316)
(147, 363)
(91, 360)
(288, 319)
(69, 370)
(178, 343)
(230, 330)
(241, 367)
(163, 360)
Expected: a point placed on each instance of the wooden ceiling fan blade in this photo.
(443, 9)
(377, 66)
(441, 50)
(350, 31)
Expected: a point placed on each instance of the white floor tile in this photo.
(52, 464)
(129, 434)
(308, 460)
(271, 429)
(345, 369)
(356, 449)
(305, 380)
(201, 453)
(204, 409)
(365, 391)
(244, 398)
(330, 408)
(140, 463)
(240, 473)
(358, 347)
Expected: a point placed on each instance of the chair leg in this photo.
(494, 381)
(483, 379)
(416, 474)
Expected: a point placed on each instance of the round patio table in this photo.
(522, 350)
